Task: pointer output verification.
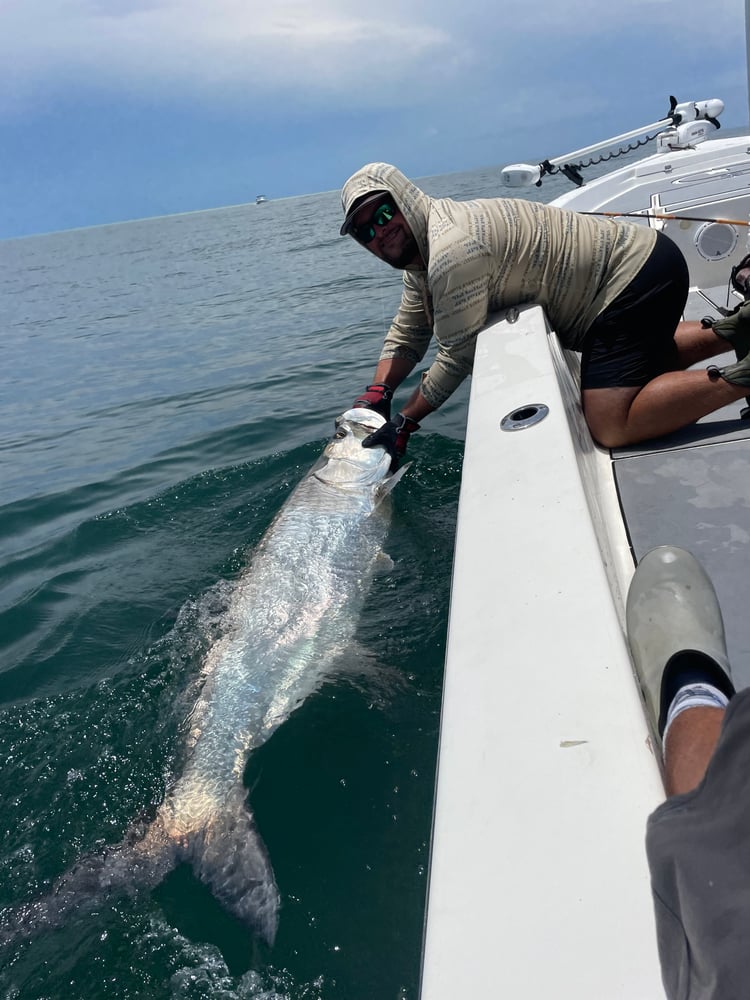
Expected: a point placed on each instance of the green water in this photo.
(167, 384)
(342, 792)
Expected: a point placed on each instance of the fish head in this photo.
(345, 462)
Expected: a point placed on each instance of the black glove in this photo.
(376, 397)
(393, 436)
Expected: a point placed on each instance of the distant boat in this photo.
(260, 199)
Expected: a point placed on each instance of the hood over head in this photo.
(376, 178)
(360, 202)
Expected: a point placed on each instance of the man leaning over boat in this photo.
(613, 290)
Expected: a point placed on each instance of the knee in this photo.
(610, 437)
(604, 430)
(607, 414)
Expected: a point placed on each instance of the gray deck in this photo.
(692, 489)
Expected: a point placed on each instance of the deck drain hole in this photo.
(524, 416)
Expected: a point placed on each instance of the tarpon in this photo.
(291, 614)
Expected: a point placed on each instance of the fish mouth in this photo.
(362, 415)
(348, 463)
(360, 420)
(355, 475)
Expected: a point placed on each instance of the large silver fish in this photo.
(292, 613)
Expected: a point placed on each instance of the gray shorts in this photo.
(698, 848)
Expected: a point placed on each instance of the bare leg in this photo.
(696, 344)
(691, 741)
(618, 417)
(627, 415)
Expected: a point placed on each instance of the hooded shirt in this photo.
(489, 254)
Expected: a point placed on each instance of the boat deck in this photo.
(692, 489)
(547, 768)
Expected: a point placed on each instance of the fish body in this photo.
(292, 613)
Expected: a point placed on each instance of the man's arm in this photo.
(409, 334)
(417, 406)
(461, 298)
(393, 371)
(404, 346)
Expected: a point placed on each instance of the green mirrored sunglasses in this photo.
(365, 232)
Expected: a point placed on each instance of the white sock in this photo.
(697, 695)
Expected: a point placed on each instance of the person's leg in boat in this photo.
(698, 840)
(634, 381)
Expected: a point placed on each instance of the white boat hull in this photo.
(547, 772)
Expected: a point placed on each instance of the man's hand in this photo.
(393, 436)
(376, 397)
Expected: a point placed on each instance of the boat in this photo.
(260, 199)
(547, 766)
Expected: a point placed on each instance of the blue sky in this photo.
(120, 109)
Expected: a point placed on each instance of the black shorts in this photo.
(632, 341)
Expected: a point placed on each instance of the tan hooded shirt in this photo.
(489, 254)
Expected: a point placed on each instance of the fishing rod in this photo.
(658, 216)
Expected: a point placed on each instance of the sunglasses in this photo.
(365, 232)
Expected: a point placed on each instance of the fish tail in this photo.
(227, 855)
(136, 864)
(230, 858)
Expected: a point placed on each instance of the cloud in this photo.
(227, 47)
(364, 54)
(114, 109)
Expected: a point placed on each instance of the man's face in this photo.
(384, 231)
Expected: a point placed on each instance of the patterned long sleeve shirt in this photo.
(489, 254)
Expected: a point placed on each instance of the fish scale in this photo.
(292, 613)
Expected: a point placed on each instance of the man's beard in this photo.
(409, 253)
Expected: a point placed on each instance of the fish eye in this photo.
(340, 432)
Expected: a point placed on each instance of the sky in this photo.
(113, 110)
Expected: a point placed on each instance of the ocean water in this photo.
(166, 383)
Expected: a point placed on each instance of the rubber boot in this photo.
(740, 277)
(672, 608)
(735, 329)
(737, 374)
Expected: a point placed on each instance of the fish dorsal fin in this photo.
(385, 488)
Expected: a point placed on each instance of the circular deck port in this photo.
(524, 416)
(715, 240)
